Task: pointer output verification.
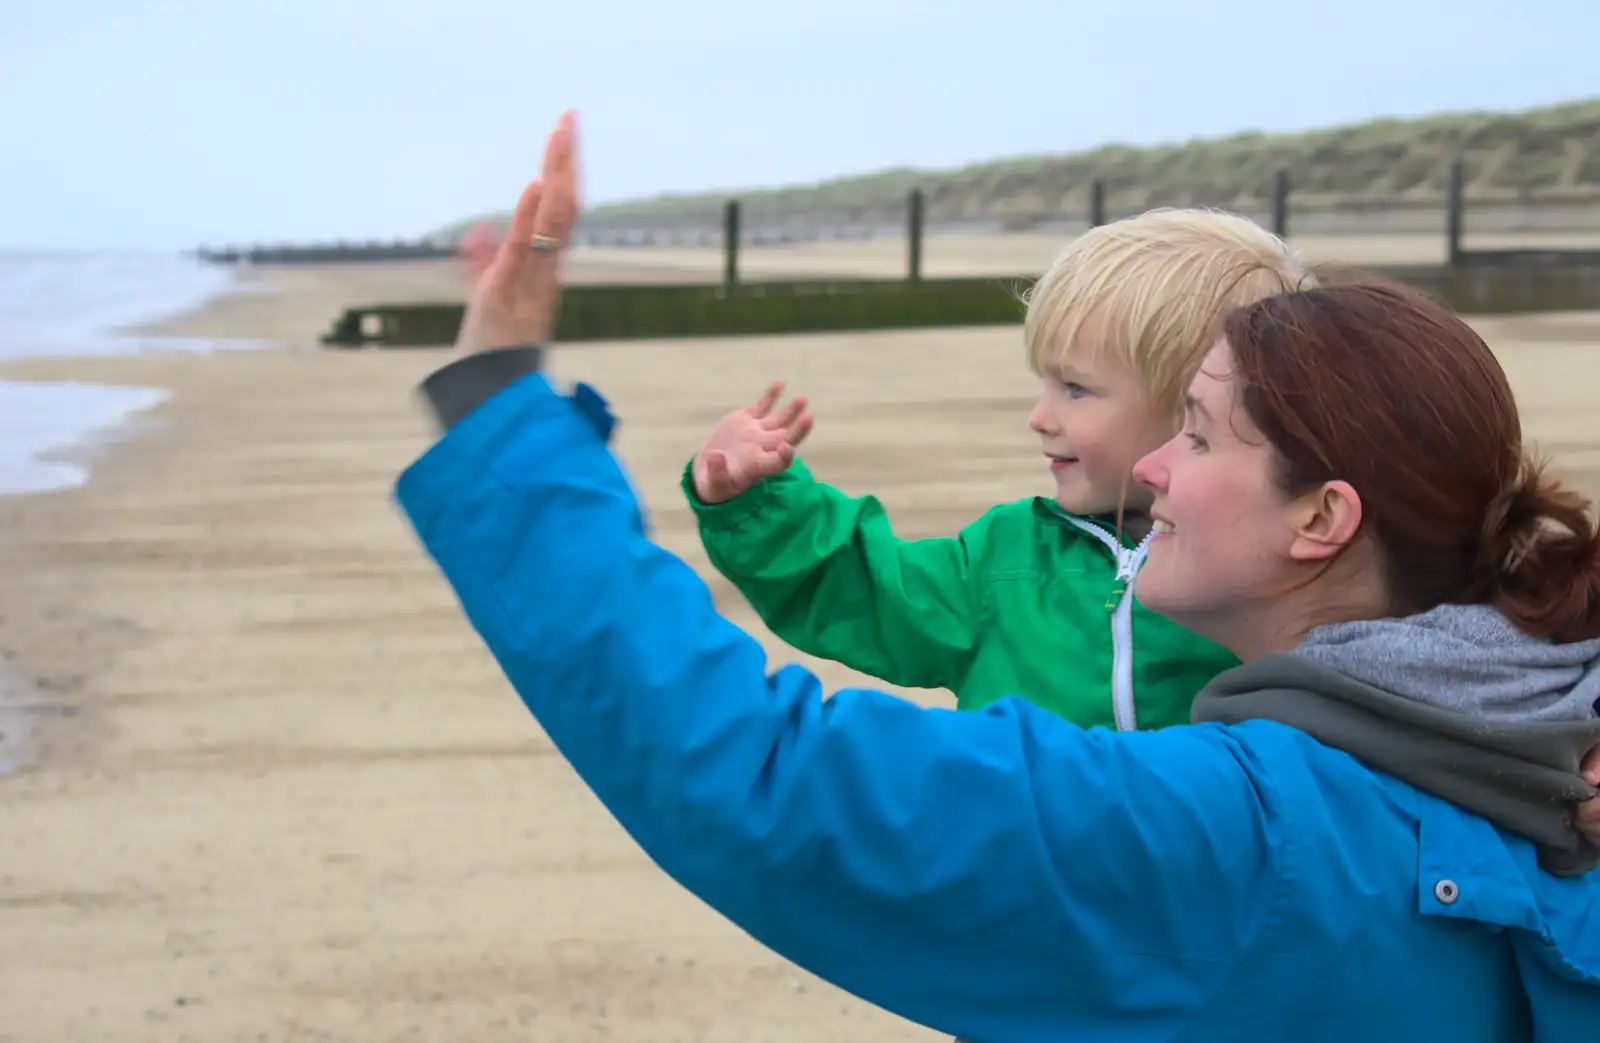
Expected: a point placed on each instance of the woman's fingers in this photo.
(1588, 818)
(519, 233)
(558, 211)
(548, 205)
(515, 300)
(478, 247)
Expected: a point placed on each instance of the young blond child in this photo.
(1034, 598)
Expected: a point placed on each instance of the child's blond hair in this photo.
(1157, 286)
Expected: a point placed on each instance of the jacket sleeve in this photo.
(995, 875)
(825, 571)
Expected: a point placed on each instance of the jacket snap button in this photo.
(1446, 891)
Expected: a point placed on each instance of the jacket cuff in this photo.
(456, 389)
(729, 515)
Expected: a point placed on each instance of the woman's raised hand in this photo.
(518, 281)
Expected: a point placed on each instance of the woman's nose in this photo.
(1151, 471)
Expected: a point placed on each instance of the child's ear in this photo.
(1325, 521)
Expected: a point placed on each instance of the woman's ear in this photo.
(1325, 521)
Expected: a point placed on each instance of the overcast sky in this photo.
(170, 123)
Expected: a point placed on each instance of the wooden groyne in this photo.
(329, 253)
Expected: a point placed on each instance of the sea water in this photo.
(65, 304)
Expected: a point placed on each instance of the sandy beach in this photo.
(277, 790)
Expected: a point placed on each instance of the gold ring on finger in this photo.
(547, 243)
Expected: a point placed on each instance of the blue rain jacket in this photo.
(1004, 876)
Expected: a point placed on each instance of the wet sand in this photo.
(277, 789)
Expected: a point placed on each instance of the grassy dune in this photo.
(1544, 154)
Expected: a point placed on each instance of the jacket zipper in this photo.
(1120, 603)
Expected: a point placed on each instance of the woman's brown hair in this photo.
(1379, 386)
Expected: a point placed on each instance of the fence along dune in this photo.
(1530, 171)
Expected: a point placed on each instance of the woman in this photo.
(1370, 833)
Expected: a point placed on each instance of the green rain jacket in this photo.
(1027, 600)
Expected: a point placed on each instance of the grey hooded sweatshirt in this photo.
(1455, 701)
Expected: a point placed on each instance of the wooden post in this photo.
(914, 235)
(1280, 205)
(730, 244)
(1097, 203)
(1455, 204)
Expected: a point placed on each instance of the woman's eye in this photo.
(1196, 442)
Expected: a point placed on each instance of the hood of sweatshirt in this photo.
(1465, 658)
(1456, 701)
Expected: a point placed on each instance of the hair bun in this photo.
(1540, 556)
(1512, 524)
